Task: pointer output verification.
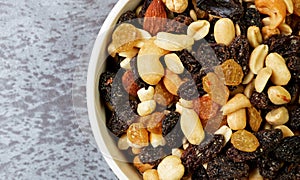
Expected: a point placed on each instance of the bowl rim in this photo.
(93, 78)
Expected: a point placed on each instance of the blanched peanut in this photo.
(278, 116)
(285, 130)
(170, 168)
(257, 58)
(177, 152)
(193, 15)
(248, 78)
(249, 89)
(173, 42)
(254, 36)
(146, 107)
(125, 64)
(280, 73)
(191, 126)
(145, 94)
(237, 30)
(157, 140)
(172, 82)
(150, 174)
(237, 120)
(173, 63)
(122, 142)
(186, 104)
(262, 79)
(198, 29)
(177, 6)
(140, 166)
(239, 101)
(279, 95)
(226, 132)
(224, 31)
(285, 29)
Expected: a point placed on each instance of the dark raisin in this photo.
(222, 167)
(127, 17)
(260, 100)
(188, 90)
(294, 89)
(221, 51)
(151, 155)
(294, 21)
(294, 118)
(268, 166)
(268, 139)
(293, 63)
(174, 138)
(105, 86)
(239, 50)
(240, 156)
(200, 154)
(133, 105)
(251, 18)
(190, 63)
(144, 8)
(198, 81)
(179, 24)
(138, 79)
(232, 9)
(207, 55)
(289, 149)
(200, 173)
(289, 172)
(113, 63)
(169, 122)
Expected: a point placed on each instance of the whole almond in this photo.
(155, 17)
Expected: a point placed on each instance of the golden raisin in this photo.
(137, 134)
(245, 141)
(205, 107)
(161, 95)
(231, 71)
(254, 118)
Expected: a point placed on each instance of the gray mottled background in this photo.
(44, 51)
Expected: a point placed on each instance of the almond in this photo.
(155, 17)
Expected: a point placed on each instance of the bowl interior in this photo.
(96, 109)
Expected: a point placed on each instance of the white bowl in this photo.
(96, 111)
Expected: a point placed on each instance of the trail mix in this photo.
(206, 89)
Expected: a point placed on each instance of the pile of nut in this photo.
(206, 89)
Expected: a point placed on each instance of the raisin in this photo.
(206, 55)
(129, 83)
(199, 154)
(268, 139)
(210, 38)
(244, 141)
(200, 173)
(232, 9)
(293, 63)
(251, 18)
(188, 90)
(179, 24)
(189, 62)
(294, 89)
(239, 50)
(133, 105)
(231, 71)
(138, 79)
(127, 17)
(268, 166)
(198, 81)
(144, 8)
(240, 156)
(222, 167)
(206, 108)
(294, 118)
(260, 100)
(105, 86)
(151, 155)
(289, 172)
(174, 138)
(294, 22)
(221, 51)
(169, 122)
(289, 149)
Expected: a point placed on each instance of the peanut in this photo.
(193, 15)
(285, 29)
(238, 30)
(224, 31)
(254, 36)
(226, 132)
(173, 63)
(173, 42)
(125, 64)
(289, 6)
(248, 78)
(279, 95)
(249, 89)
(150, 174)
(145, 94)
(286, 132)
(186, 104)
(257, 58)
(122, 142)
(170, 168)
(191, 126)
(172, 82)
(237, 120)
(177, 152)
(262, 78)
(239, 101)
(280, 73)
(177, 6)
(198, 29)
(278, 116)
(157, 140)
(145, 108)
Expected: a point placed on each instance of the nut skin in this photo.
(155, 17)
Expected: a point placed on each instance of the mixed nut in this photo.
(206, 89)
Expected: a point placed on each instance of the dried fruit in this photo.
(294, 120)
(288, 149)
(127, 17)
(268, 166)
(105, 86)
(179, 24)
(231, 71)
(129, 84)
(250, 18)
(190, 63)
(200, 173)
(260, 100)
(254, 118)
(245, 141)
(188, 90)
(151, 155)
(240, 156)
(206, 108)
(268, 140)
(289, 171)
(222, 166)
(161, 95)
(195, 155)
(169, 122)
(155, 17)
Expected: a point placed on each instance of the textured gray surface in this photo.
(44, 49)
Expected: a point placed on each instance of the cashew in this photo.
(170, 168)
(174, 63)
(224, 31)
(267, 32)
(157, 140)
(279, 95)
(278, 116)
(198, 29)
(237, 120)
(254, 36)
(191, 126)
(150, 174)
(226, 132)
(262, 78)
(173, 42)
(177, 6)
(276, 9)
(146, 107)
(285, 29)
(286, 132)
(239, 101)
(122, 142)
(145, 94)
(257, 58)
(280, 73)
